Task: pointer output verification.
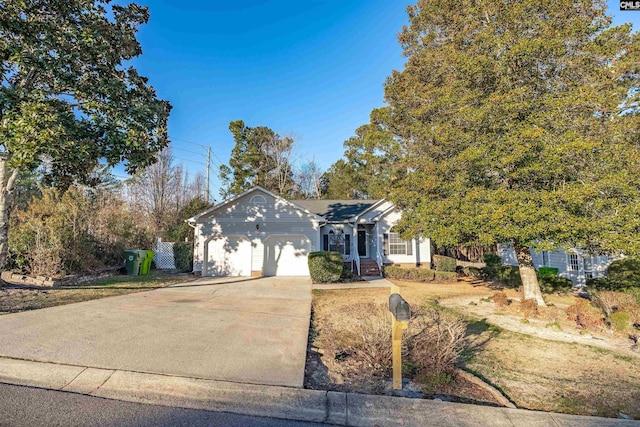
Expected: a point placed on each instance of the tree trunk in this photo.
(7, 181)
(528, 274)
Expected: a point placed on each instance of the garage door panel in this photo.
(286, 255)
(229, 256)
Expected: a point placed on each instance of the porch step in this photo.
(472, 280)
(369, 267)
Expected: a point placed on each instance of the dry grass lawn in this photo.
(536, 366)
(13, 300)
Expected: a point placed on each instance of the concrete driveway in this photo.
(250, 330)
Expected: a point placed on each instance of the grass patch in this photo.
(151, 280)
(542, 375)
(14, 300)
(531, 371)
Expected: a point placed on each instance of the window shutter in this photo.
(325, 242)
(385, 243)
(410, 247)
(347, 244)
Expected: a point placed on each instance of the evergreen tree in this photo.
(67, 102)
(260, 157)
(519, 122)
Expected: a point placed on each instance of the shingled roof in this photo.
(336, 210)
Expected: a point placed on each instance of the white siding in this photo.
(421, 249)
(378, 210)
(423, 256)
(559, 259)
(256, 221)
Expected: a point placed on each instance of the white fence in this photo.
(164, 256)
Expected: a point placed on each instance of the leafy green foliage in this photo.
(415, 274)
(341, 181)
(180, 231)
(521, 121)
(444, 263)
(67, 101)
(507, 275)
(510, 117)
(492, 263)
(622, 274)
(72, 232)
(552, 284)
(371, 162)
(547, 271)
(183, 256)
(325, 267)
(472, 271)
(260, 157)
(625, 271)
(620, 321)
(412, 274)
(66, 95)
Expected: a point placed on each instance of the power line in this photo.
(218, 162)
(185, 150)
(189, 160)
(190, 142)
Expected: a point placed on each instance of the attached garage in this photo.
(228, 256)
(256, 233)
(286, 255)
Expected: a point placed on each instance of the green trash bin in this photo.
(132, 261)
(147, 257)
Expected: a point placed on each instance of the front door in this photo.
(362, 243)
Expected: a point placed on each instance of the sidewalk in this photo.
(347, 409)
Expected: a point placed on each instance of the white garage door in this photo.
(229, 256)
(286, 255)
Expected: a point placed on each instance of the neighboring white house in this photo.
(576, 265)
(259, 233)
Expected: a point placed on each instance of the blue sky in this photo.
(310, 69)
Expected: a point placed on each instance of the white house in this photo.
(576, 265)
(260, 233)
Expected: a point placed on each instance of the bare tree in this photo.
(160, 191)
(308, 180)
(277, 153)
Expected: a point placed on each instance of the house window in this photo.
(337, 242)
(573, 262)
(589, 267)
(397, 246)
(545, 258)
(258, 200)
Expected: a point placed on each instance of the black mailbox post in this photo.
(401, 314)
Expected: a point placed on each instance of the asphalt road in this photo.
(29, 406)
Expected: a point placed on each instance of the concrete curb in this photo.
(347, 409)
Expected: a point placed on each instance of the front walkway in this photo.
(241, 330)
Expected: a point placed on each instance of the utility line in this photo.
(217, 163)
(186, 151)
(189, 160)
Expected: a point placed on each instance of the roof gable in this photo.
(336, 210)
(257, 189)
